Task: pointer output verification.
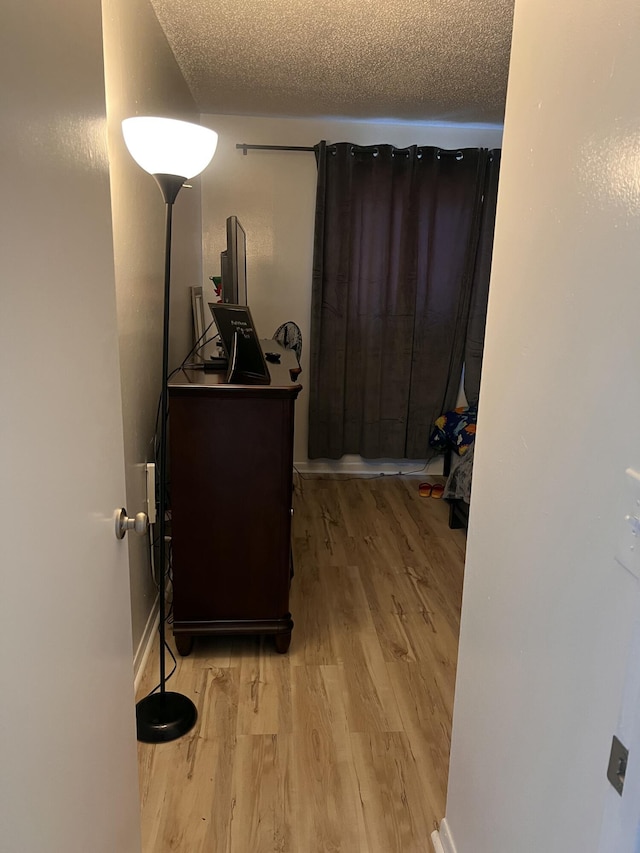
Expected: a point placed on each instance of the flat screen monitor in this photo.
(233, 264)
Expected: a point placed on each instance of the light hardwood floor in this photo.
(343, 743)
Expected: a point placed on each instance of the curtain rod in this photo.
(245, 147)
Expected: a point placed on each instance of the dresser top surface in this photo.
(284, 375)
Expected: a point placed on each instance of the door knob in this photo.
(139, 523)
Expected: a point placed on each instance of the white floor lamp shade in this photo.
(167, 146)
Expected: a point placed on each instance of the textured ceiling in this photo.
(429, 60)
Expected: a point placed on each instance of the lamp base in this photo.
(162, 717)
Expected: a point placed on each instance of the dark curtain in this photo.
(396, 238)
(474, 344)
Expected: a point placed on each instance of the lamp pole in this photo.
(169, 197)
(171, 151)
(165, 716)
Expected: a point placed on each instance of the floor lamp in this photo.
(172, 152)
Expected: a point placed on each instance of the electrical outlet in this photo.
(151, 491)
(617, 764)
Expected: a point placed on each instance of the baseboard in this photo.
(358, 467)
(442, 840)
(146, 644)
(436, 843)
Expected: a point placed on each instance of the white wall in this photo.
(273, 195)
(547, 612)
(142, 78)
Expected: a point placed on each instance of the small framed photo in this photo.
(241, 345)
(199, 328)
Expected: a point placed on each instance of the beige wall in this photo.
(548, 612)
(142, 78)
(273, 195)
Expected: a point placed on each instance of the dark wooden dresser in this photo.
(231, 483)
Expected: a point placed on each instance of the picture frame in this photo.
(241, 345)
(199, 328)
